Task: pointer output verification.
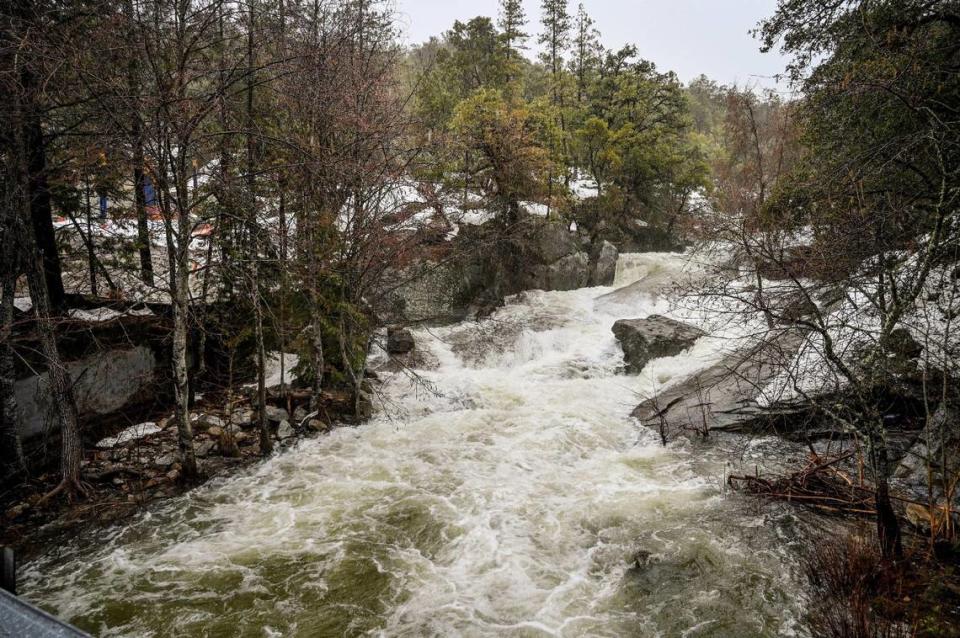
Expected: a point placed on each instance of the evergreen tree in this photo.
(513, 21)
(586, 51)
(555, 39)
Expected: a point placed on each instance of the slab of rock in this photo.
(725, 395)
(605, 270)
(651, 338)
(132, 433)
(399, 341)
(210, 421)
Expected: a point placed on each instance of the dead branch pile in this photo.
(820, 485)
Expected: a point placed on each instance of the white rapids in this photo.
(505, 492)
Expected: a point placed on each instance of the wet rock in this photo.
(567, 273)
(285, 430)
(795, 308)
(937, 442)
(645, 339)
(242, 417)
(276, 415)
(299, 414)
(165, 460)
(205, 448)
(399, 341)
(316, 425)
(605, 269)
(210, 421)
(364, 407)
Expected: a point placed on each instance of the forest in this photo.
(310, 330)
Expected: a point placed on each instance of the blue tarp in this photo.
(149, 194)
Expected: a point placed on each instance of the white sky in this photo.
(689, 37)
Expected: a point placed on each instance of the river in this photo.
(502, 491)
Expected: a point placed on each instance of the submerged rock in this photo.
(399, 341)
(651, 338)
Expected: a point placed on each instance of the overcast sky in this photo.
(689, 37)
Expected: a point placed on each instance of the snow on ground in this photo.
(273, 367)
(131, 433)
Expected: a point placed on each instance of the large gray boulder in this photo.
(567, 273)
(605, 270)
(651, 338)
(938, 442)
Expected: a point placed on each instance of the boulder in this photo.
(651, 338)
(165, 460)
(205, 448)
(242, 417)
(215, 431)
(605, 270)
(316, 425)
(210, 421)
(299, 414)
(285, 430)
(567, 273)
(794, 308)
(276, 415)
(939, 441)
(399, 341)
(364, 406)
(554, 241)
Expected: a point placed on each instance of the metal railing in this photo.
(20, 619)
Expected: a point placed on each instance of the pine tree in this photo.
(586, 51)
(555, 38)
(513, 21)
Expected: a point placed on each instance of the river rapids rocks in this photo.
(501, 490)
(651, 338)
(482, 266)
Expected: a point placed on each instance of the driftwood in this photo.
(820, 485)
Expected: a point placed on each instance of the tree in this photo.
(587, 51)
(513, 21)
(878, 192)
(511, 140)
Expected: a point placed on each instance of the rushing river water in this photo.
(504, 492)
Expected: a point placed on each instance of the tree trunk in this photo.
(41, 212)
(888, 526)
(266, 440)
(12, 461)
(91, 253)
(178, 250)
(58, 378)
(136, 144)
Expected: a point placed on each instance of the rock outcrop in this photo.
(651, 338)
(605, 267)
(399, 341)
(725, 396)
